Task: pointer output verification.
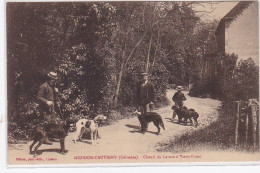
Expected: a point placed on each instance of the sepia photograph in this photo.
(132, 83)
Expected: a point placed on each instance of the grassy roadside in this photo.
(217, 136)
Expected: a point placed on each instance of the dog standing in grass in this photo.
(147, 117)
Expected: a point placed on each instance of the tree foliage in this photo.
(228, 79)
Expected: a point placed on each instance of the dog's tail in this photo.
(162, 125)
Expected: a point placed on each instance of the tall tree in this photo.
(137, 20)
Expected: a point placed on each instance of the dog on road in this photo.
(89, 126)
(186, 113)
(100, 119)
(51, 130)
(86, 126)
(147, 117)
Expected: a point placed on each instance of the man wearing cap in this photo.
(145, 93)
(178, 98)
(47, 99)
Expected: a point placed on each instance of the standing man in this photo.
(145, 93)
(178, 98)
(47, 96)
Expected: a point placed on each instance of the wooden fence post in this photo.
(253, 114)
(247, 128)
(237, 122)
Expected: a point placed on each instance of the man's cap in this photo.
(52, 75)
(179, 88)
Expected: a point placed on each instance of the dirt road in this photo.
(121, 139)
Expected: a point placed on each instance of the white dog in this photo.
(100, 119)
(88, 126)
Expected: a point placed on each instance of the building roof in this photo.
(233, 13)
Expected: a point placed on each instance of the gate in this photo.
(247, 123)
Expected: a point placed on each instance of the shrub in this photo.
(218, 71)
(200, 89)
(244, 83)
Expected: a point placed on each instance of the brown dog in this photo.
(186, 113)
(52, 130)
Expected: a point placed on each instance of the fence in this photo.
(247, 123)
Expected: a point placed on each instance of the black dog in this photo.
(186, 113)
(146, 118)
(56, 130)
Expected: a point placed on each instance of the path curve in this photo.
(123, 137)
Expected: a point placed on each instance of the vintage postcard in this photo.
(132, 83)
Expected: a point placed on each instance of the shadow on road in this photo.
(86, 142)
(56, 150)
(132, 126)
(177, 122)
(151, 132)
(171, 121)
(137, 129)
(134, 131)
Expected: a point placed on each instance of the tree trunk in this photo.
(119, 79)
(148, 54)
(118, 84)
(156, 49)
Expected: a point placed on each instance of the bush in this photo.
(244, 83)
(121, 113)
(217, 73)
(160, 76)
(200, 89)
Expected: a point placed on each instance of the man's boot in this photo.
(47, 141)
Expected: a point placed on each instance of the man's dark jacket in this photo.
(178, 97)
(145, 94)
(46, 93)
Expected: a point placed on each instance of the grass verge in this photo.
(217, 136)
